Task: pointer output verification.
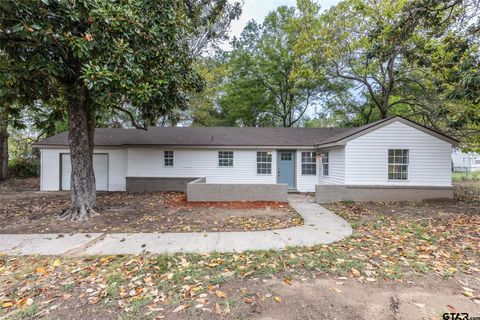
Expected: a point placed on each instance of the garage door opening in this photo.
(100, 168)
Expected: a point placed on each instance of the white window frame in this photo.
(312, 163)
(264, 162)
(166, 157)
(220, 159)
(398, 160)
(325, 163)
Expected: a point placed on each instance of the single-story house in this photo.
(465, 161)
(393, 159)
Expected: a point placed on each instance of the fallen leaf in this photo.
(57, 262)
(420, 305)
(336, 290)
(220, 294)
(451, 308)
(180, 308)
(7, 304)
(22, 302)
(355, 272)
(277, 299)
(218, 309)
(41, 270)
(288, 281)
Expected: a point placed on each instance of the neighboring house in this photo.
(465, 161)
(391, 159)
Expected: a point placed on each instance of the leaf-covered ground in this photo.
(34, 212)
(403, 244)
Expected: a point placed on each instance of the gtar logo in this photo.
(455, 316)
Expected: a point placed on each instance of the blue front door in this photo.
(286, 168)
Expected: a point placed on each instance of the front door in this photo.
(286, 168)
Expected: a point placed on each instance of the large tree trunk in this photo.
(81, 123)
(3, 149)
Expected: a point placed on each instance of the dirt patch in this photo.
(466, 203)
(330, 298)
(14, 186)
(89, 293)
(37, 212)
(419, 210)
(467, 190)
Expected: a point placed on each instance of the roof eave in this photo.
(340, 143)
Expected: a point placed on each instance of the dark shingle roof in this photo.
(226, 136)
(188, 136)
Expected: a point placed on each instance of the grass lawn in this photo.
(403, 261)
(458, 176)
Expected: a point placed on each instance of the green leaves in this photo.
(130, 51)
(395, 58)
(261, 88)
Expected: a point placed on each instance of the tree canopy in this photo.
(259, 88)
(397, 57)
(96, 56)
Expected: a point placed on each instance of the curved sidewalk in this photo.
(321, 226)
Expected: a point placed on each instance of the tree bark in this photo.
(3, 148)
(81, 122)
(383, 113)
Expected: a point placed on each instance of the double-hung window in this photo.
(397, 164)
(325, 164)
(309, 163)
(264, 162)
(168, 158)
(225, 158)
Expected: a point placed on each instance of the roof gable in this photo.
(343, 138)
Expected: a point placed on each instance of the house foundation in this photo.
(363, 193)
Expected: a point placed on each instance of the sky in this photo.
(258, 9)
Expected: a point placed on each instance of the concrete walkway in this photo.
(321, 227)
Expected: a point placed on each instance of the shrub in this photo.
(24, 168)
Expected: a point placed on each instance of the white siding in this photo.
(50, 168)
(429, 157)
(305, 183)
(117, 169)
(148, 162)
(336, 167)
